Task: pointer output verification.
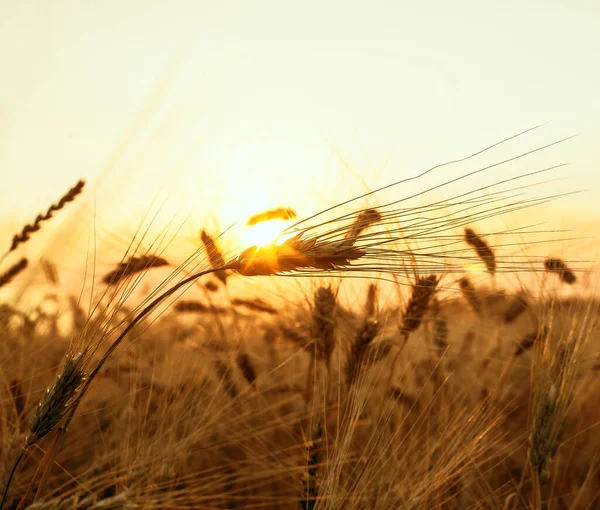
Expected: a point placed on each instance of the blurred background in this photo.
(197, 114)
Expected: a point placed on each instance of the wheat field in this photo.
(427, 384)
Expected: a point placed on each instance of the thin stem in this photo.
(10, 477)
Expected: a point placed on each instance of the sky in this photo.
(212, 111)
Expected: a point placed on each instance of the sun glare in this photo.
(263, 233)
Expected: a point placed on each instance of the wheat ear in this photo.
(27, 230)
(13, 271)
(483, 250)
(133, 266)
(560, 268)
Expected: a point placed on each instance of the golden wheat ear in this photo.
(30, 228)
(423, 291)
(280, 213)
(215, 257)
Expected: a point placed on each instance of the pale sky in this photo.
(227, 108)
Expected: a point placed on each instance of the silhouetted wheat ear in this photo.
(28, 229)
(211, 286)
(371, 303)
(133, 266)
(246, 367)
(215, 257)
(560, 268)
(515, 309)
(58, 399)
(470, 294)
(483, 250)
(323, 322)
(529, 341)
(193, 306)
(422, 291)
(359, 349)
(363, 221)
(280, 213)
(50, 271)
(256, 304)
(295, 254)
(13, 271)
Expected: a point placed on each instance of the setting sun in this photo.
(263, 233)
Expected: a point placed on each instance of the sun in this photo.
(263, 233)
